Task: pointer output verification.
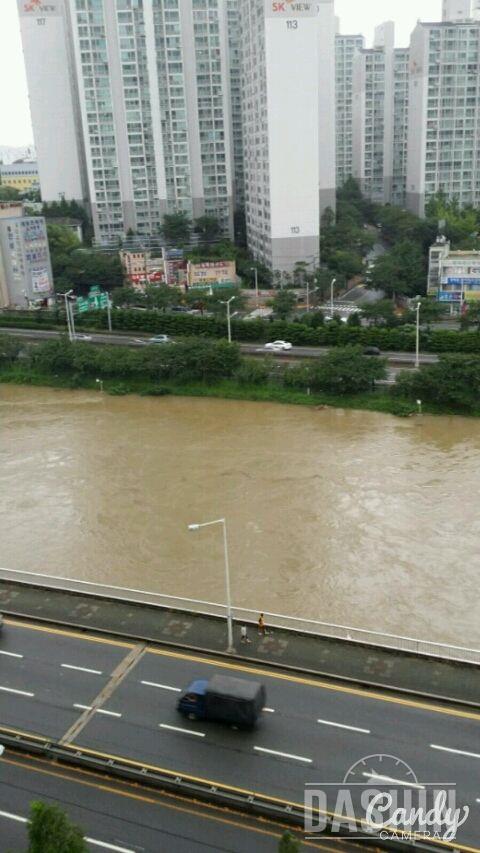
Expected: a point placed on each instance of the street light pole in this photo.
(72, 321)
(417, 347)
(222, 521)
(256, 284)
(229, 319)
(109, 313)
(331, 295)
(67, 312)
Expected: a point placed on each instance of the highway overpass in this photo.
(113, 702)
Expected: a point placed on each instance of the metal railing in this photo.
(311, 627)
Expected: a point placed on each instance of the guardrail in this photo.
(197, 788)
(246, 615)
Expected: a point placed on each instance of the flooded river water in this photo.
(348, 517)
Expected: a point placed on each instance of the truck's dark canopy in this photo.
(234, 688)
(233, 700)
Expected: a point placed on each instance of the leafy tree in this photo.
(125, 296)
(208, 227)
(346, 263)
(341, 371)
(61, 241)
(284, 303)
(289, 843)
(177, 227)
(400, 272)
(9, 193)
(454, 382)
(253, 371)
(70, 210)
(472, 315)
(50, 831)
(462, 224)
(382, 313)
(161, 296)
(10, 348)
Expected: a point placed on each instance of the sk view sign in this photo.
(291, 8)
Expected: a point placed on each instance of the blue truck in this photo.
(223, 699)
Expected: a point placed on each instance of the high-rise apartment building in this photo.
(380, 118)
(444, 113)
(346, 47)
(373, 115)
(288, 58)
(235, 66)
(400, 125)
(143, 105)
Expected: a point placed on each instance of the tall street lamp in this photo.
(222, 521)
(417, 346)
(331, 295)
(229, 319)
(71, 332)
(254, 269)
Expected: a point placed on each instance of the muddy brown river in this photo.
(350, 517)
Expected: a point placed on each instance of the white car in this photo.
(278, 346)
(82, 337)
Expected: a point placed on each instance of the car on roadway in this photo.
(82, 337)
(372, 351)
(1, 622)
(278, 346)
(157, 339)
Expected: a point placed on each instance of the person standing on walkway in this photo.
(244, 635)
(262, 630)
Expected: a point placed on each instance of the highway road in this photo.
(126, 818)
(135, 340)
(118, 700)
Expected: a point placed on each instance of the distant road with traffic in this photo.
(128, 339)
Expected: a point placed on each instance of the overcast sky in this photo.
(356, 17)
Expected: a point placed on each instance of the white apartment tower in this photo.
(456, 10)
(288, 56)
(235, 66)
(444, 113)
(149, 107)
(400, 125)
(373, 115)
(346, 47)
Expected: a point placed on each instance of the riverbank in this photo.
(228, 389)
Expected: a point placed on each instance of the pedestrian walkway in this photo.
(327, 657)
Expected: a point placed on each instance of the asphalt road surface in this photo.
(312, 731)
(396, 358)
(126, 818)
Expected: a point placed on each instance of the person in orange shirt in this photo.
(262, 631)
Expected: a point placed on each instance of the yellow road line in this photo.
(29, 735)
(255, 670)
(156, 801)
(312, 682)
(219, 785)
(229, 788)
(78, 635)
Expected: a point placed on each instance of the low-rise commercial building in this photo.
(21, 175)
(453, 276)
(211, 274)
(25, 269)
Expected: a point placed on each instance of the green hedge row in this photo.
(330, 334)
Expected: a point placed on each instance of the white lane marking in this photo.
(14, 817)
(269, 710)
(342, 726)
(94, 841)
(184, 731)
(283, 754)
(11, 654)
(161, 686)
(98, 710)
(389, 779)
(108, 846)
(17, 692)
(81, 669)
(454, 751)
